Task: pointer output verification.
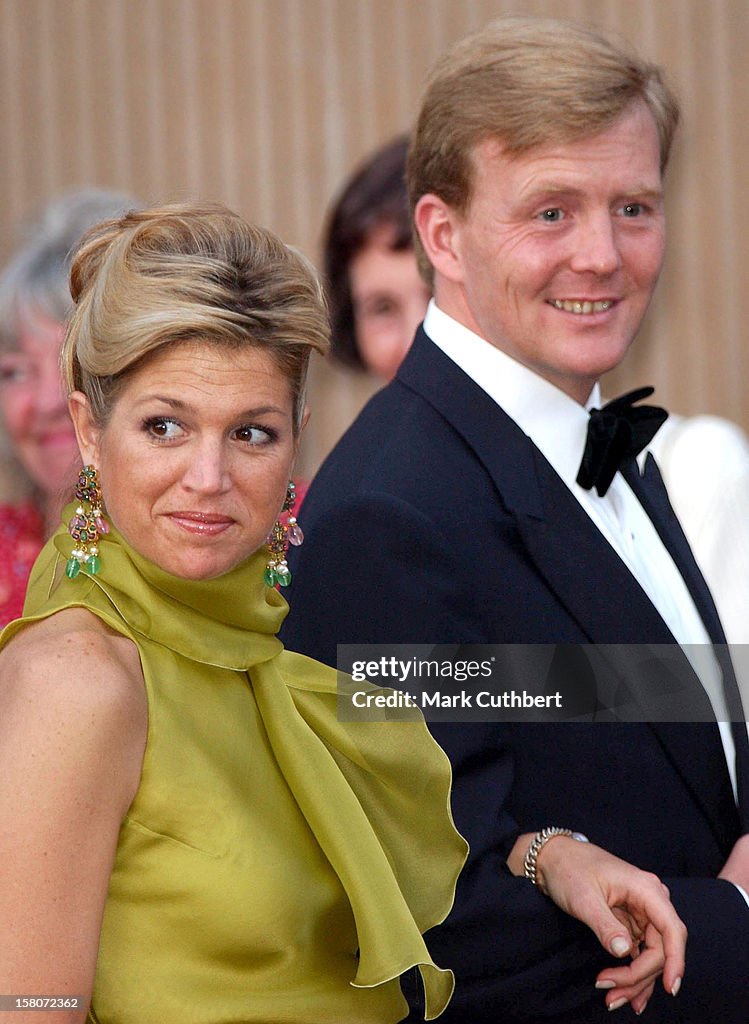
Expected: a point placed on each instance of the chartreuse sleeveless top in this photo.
(277, 864)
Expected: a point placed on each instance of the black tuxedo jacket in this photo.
(436, 520)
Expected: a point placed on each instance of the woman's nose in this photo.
(48, 391)
(207, 470)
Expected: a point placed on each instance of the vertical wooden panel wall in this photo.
(267, 104)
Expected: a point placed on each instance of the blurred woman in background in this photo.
(34, 304)
(376, 296)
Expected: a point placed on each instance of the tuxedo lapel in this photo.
(582, 568)
(742, 771)
(652, 494)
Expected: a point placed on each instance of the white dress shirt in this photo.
(705, 465)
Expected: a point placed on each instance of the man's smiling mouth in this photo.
(582, 306)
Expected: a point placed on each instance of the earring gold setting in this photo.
(286, 530)
(87, 525)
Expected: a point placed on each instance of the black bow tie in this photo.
(616, 434)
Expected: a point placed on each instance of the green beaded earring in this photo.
(87, 525)
(285, 531)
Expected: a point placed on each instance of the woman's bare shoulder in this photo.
(70, 633)
(73, 657)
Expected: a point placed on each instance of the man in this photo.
(452, 513)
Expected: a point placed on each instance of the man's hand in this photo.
(629, 911)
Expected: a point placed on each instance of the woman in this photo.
(195, 834)
(34, 303)
(376, 295)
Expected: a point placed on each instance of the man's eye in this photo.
(253, 435)
(632, 209)
(552, 215)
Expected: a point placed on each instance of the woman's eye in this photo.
(13, 371)
(253, 435)
(163, 428)
(382, 306)
(552, 215)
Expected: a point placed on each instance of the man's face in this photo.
(557, 257)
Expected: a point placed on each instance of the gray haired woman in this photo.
(34, 304)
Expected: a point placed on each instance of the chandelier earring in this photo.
(286, 530)
(87, 525)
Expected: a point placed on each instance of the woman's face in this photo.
(34, 408)
(389, 299)
(195, 458)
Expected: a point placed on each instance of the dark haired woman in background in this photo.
(375, 294)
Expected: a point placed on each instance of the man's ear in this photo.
(437, 224)
(86, 431)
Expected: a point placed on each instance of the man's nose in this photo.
(596, 247)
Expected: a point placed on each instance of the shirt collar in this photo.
(556, 423)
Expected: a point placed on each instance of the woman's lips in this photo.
(205, 523)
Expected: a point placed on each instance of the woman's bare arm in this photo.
(73, 721)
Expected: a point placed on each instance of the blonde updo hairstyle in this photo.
(182, 273)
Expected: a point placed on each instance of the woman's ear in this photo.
(87, 432)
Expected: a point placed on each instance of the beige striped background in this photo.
(266, 104)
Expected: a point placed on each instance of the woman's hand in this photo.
(629, 911)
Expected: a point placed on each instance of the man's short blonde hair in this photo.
(526, 82)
